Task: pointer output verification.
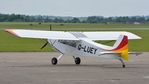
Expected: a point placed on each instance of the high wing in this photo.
(61, 35)
(109, 35)
(56, 35)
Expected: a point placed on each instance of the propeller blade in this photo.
(44, 45)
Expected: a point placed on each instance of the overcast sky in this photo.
(76, 7)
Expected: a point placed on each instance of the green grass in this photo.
(140, 45)
(11, 43)
(67, 26)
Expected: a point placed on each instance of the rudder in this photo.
(121, 46)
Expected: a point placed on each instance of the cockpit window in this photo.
(67, 42)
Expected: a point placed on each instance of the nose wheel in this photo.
(77, 60)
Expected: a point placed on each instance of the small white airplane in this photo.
(79, 44)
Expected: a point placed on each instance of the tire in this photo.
(54, 61)
(123, 66)
(77, 60)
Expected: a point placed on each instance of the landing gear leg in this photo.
(55, 60)
(77, 60)
(123, 64)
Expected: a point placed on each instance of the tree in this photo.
(75, 20)
(94, 19)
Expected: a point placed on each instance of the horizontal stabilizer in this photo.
(135, 53)
(130, 53)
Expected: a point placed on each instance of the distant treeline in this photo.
(59, 19)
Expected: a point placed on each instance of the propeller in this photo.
(44, 45)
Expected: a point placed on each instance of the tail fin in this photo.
(121, 46)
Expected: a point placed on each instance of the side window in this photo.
(67, 42)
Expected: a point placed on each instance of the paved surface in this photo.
(35, 68)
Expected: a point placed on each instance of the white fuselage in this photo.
(83, 47)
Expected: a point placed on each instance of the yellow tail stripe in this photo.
(123, 52)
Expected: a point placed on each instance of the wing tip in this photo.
(134, 36)
(139, 37)
(10, 31)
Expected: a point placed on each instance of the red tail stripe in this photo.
(123, 43)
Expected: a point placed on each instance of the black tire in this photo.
(54, 61)
(77, 60)
(123, 66)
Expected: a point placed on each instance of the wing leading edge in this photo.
(56, 35)
(60, 35)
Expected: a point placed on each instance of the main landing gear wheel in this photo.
(54, 61)
(124, 66)
(77, 60)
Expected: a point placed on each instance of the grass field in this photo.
(12, 43)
